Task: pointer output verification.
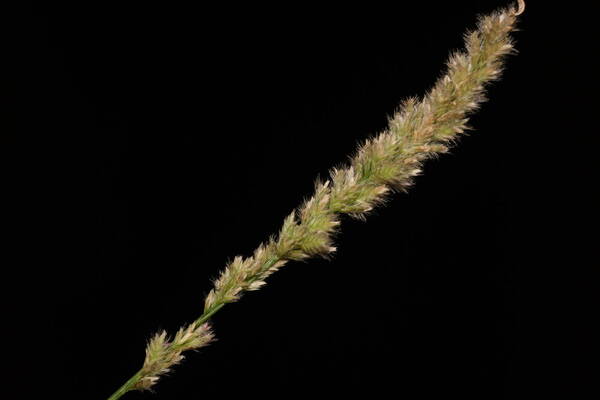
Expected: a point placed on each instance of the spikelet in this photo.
(162, 354)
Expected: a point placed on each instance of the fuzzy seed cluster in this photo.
(162, 354)
(419, 130)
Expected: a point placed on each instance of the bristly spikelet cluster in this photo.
(162, 353)
(318, 222)
(423, 129)
(305, 233)
(388, 162)
(240, 275)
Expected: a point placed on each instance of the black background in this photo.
(149, 143)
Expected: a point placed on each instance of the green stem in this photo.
(126, 387)
(208, 313)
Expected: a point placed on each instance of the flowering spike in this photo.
(419, 130)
